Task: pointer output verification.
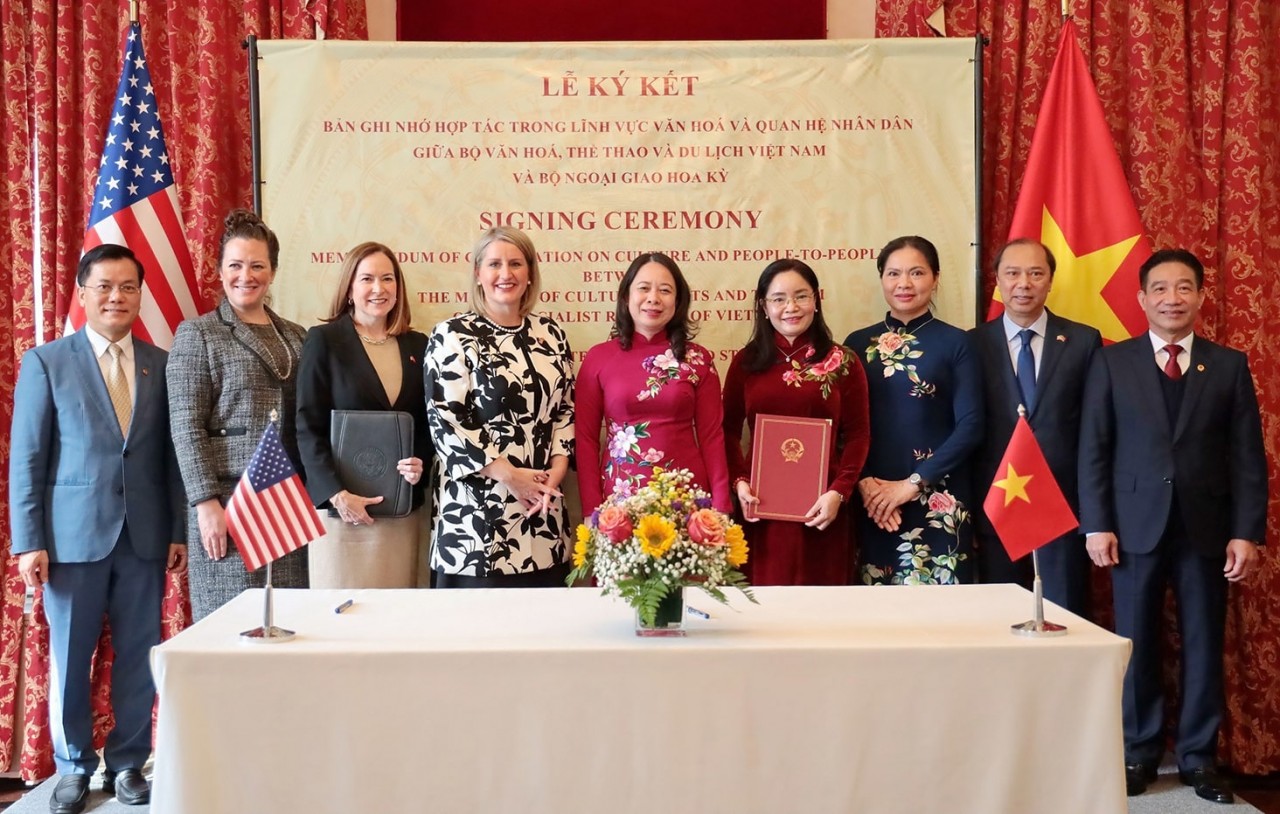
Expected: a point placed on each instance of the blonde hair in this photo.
(517, 238)
(399, 318)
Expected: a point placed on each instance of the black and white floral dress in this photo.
(496, 392)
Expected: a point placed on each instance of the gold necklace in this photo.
(368, 341)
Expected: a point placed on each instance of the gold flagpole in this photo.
(133, 10)
(1066, 9)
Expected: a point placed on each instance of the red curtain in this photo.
(585, 20)
(61, 62)
(1192, 94)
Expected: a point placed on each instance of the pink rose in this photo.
(706, 527)
(942, 503)
(614, 523)
(829, 364)
(889, 342)
(791, 376)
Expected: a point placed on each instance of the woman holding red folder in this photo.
(654, 391)
(791, 366)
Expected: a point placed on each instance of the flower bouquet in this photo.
(645, 545)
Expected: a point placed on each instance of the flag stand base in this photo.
(268, 633)
(1042, 628)
(1037, 627)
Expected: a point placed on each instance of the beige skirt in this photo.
(384, 555)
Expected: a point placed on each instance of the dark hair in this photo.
(679, 330)
(241, 223)
(103, 252)
(1026, 241)
(1182, 256)
(399, 319)
(916, 242)
(761, 352)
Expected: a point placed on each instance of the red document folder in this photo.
(789, 464)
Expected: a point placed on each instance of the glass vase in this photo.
(669, 619)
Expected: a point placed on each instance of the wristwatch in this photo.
(916, 481)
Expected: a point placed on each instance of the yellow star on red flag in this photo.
(1014, 485)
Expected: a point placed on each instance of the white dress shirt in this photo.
(100, 350)
(1038, 328)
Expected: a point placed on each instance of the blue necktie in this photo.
(1027, 370)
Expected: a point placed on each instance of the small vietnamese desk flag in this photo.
(1025, 505)
(1076, 200)
(269, 513)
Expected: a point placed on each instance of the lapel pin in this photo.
(1200, 368)
(413, 360)
(146, 372)
(1061, 338)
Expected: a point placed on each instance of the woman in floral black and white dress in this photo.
(499, 386)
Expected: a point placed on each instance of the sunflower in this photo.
(656, 534)
(581, 546)
(737, 554)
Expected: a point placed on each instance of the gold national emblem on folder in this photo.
(792, 450)
(789, 459)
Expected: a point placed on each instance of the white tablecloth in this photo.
(837, 700)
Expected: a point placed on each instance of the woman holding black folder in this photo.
(364, 357)
(791, 366)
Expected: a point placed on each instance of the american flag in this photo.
(135, 204)
(269, 513)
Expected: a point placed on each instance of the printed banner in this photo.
(724, 155)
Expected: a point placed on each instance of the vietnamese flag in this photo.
(1075, 200)
(1025, 505)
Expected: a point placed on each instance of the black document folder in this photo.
(367, 444)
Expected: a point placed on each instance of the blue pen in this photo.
(701, 614)
(344, 606)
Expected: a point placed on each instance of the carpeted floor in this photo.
(1166, 796)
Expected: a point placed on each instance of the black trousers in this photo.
(1139, 583)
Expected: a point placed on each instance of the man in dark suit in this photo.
(1173, 490)
(96, 505)
(1048, 379)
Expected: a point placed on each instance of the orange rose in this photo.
(706, 527)
(614, 523)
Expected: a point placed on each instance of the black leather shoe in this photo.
(1137, 776)
(70, 794)
(1208, 784)
(128, 785)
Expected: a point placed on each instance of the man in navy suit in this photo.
(96, 507)
(1048, 379)
(1173, 491)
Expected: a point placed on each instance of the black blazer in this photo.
(1064, 364)
(335, 374)
(1131, 460)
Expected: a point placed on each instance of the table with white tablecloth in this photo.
(837, 700)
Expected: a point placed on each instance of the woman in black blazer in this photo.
(365, 357)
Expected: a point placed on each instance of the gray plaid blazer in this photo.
(222, 389)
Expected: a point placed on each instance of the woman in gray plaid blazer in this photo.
(228, 371)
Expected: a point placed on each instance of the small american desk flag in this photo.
(135, 204)
(269, 513)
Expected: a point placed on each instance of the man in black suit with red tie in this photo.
(1033, 357)
(1173, 491)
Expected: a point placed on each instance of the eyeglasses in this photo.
(105, 289)
(778, 300)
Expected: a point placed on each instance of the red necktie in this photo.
(1171, 368)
